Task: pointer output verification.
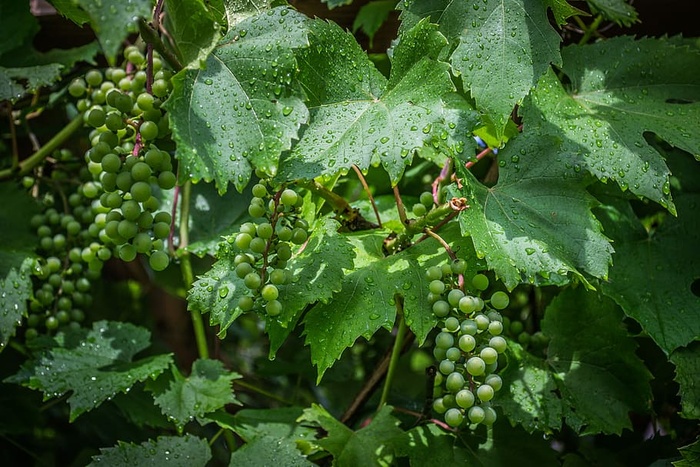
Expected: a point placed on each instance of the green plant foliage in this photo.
(17, 25)
(371, 17)
(603, 117)
(266, 450)
(185, 451)
(691, 455)
(194, 29)
(15, 289)
(94, 366)
(207, 389)
(687, 366)
(529, 231)
(246, 80)
(619, 11)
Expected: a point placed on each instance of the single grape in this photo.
(264, 230)
(127, 253)
(252, 280)
(467, 343)
(93, 78)
(458, 266)
(436, 286)
(148, 130)
(159, 260)
(167, 180)
(273, 308)
(465, 398)
(246, 303)
(455, 382)
(257, 245)
(77, 88)
(426, 199)
(452, 324)
(454, 417)
(489, 416)
(242, 241)
(494, 381)
(140, 191)
(142, 242)
(499, 300)
(453, 354)
(444, 340)
(269, 292)
(476, 414)
(482, 322)
(278, 277)
(256, 210)
(441, 308)
(454, 296)
(289, 197)
(161, 230)
(446, 367)
(480, 282)
(259, 190)
(95, 117)
(475, 366)
(495, 328)
(419, 210)
(489, 355)
(468, 326)
(484, 393)
(433, 273)
(439, 406)
(140, 171)
(299, 236)
(243, 269)
(498, 343)
(467, 304)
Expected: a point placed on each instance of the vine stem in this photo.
(260, 391)
(369, 193)
(186, 268)
(42, 153)
(589, 31)
(395, 351)
(399, 206)
(479, 156)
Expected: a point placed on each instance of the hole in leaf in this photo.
(678, 101)
(695, 287)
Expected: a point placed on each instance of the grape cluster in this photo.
(265, 245)
(70, 251)
(125, 158)
(467, 347)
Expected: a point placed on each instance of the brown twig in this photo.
(369, 193)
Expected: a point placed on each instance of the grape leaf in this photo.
(98, 367)
(691, 455)
(112, 23)
(371, 16)
(17, 25)
(207, 389)
(35, 76)
(15, 290)
(358, 117)
(17, 242)
(509, 45)
(71, 10)
(336, 3)
(361, 447)
(279, 423)
(175, 451)
(529, 395)
(562, 10)
(594, 361)
(687, 361)
(429, 445)
(267, 450)
(193, 30)
(317, 272)
(239, 10)
(529, 230)
(644, 259)
(507, 445)
(367, 299)
(618, 11)
(634, 87)
(238, 112)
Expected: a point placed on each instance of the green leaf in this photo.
(35, 77)
(562, 10)
(619, 11)
(317, 272)
(691, 455)
(593, 358)
(507, 445)
(529, 230)
(529, 395)
(113, 23)
(174, 451)
(360, 118)
(620, 89)
(15, 290)
(17, 241)
(336, 3)
(367, 299)
(687, 361)
(646, 281)
(429, 445)
(17, 25)
(238, 113)
(503, 53)
(70, 9)
(371, 16)
(207, 389)
(267, 450)
(362, 447)
(239, 10)
(193, 28)
(279, 423)
(98, 367)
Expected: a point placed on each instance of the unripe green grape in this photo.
(257, 245)
(77, 88)
(494, 381)
(439, 353)
(495, 328)
(516, 327)
(140, 171)
(467, 304)
(148, 130)
(441, 308)
(454, 417)
(489, 416)
(476, 414)
(449, 400)
(51, 323)
(145, 101)
(243, 258)
(255, 210)
(494, 316)
(114, 121)
(432, 298)
(95, 117)
(444, 340)
(489, 355)
(500, 300)
(480, 282)
(93, 78)
(439, 406)
(142, 242)
(151, 204)
(468, 326)
(160, 88)
(264, 230)
(484, 393)
(288, 197)
(124, 181)
(452, 324)
(242, 241)
(252, 280)
(453, 354)
(127, 252)
(475, 366)
(131, 210)
(140, 191)
(259, 190)
(482, 321)
(436, 286)
(243, 269)
(467, 343)
(426, 199)
(454, 296)
(161, 230)
(269, 292)
(153, 158)
(284, 253)
(299, 236)
(419, 210)
(284, 233)
(446, 367)
(498, 343)
(458, 266)
(97, 96)
(433, 273)
(167, 180)
(273, 308)
(246, 303)
(465, 398)
(249, 228)
(278, 277)
(159, 260)
(455, 382)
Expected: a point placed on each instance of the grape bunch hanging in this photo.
(467, 347)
